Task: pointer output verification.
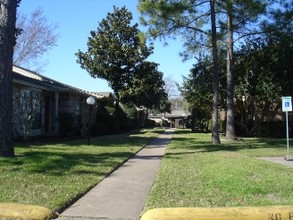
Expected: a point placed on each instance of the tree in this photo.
(171, 87)
(263, 74)
(187, 19)
(196, 90)
(37, 36)
(263, 71)
(148, 88)
(115, 51)
(215, 116)
(230, 124)
(7, 41)
(238, 14)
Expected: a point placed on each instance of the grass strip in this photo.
(195, 173)
(54, 175)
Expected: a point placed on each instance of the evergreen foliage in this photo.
(115, 51)
(263, 73)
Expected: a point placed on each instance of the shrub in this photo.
(275, 129)
(150, 123)
(68, 125)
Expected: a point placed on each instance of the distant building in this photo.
(176, 117)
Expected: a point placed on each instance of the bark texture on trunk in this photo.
(230, 124)
(7, 41)
(215, 116)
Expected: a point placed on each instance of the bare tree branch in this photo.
(37, 37)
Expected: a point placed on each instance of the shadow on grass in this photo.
(59, 164)
(56, 163)
(75, 157)
(188, 143)
(101, 141)
(132, 138)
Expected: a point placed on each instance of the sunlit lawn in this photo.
(55, 175)
(195, 173)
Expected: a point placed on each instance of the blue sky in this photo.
(76, 19)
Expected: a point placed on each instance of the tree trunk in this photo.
(230, 124)
(193, 119)
(7, 41)
(215, 116)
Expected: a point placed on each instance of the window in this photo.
(30, 109)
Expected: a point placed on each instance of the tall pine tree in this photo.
(189, 19)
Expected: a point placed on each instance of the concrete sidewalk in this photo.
(279, 160)
(122, 194)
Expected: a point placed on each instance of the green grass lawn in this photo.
(195, 173)
(55, 175)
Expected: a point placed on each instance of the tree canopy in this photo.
(115, 51)
(194, 22)
(263, 73)
(148, 88)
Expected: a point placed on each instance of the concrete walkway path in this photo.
(122, 194)
(279, 160)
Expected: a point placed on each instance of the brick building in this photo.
(55, 101)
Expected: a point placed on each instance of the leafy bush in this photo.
(150, 123)
(275, 129)
(68, 125)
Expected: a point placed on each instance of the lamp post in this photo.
(162, 121)
(90, 101)
(184, 120)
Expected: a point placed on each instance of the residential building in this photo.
(55, 104)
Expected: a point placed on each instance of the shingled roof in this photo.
(30, 78)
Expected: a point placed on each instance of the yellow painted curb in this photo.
(236, 213)
(24, 212)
